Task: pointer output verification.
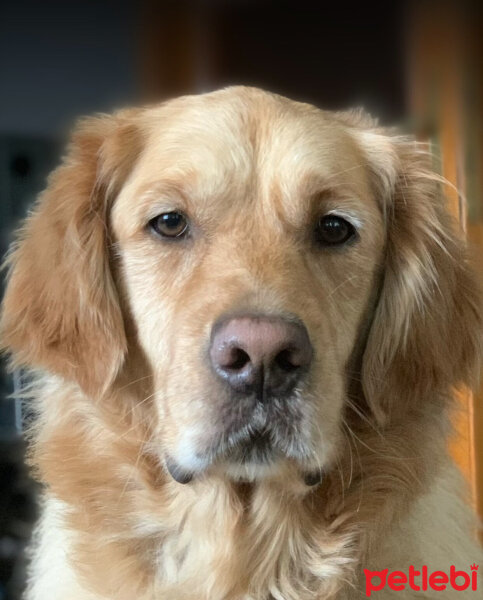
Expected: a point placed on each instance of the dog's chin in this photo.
(251, 472)
(260, 462)
(254, 459)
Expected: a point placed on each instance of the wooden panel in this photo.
(442, 69)
(176, 51)
(475, 235)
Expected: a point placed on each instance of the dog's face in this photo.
(250, 240)
(259, 255)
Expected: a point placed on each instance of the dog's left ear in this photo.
(61, 312)
(427, 331)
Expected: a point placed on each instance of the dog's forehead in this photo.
(236, 132)
(232, 146)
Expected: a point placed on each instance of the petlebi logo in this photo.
(421, 580)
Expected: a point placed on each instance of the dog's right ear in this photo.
(61, 311)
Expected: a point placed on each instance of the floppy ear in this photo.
(427, 330)
(61, 310)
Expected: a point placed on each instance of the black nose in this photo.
(261, 354)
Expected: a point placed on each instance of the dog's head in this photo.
(259, 258)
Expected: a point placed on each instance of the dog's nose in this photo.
(262, 354)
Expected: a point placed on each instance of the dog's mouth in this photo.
(246, 446)
(252, 450)
(255, 455)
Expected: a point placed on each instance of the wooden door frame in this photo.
(444, 42)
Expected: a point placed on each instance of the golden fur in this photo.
(117, 321)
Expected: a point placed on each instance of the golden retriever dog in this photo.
(247, 318)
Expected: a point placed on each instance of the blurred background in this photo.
(414, 64)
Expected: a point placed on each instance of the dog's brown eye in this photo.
(170, 224)
(334, 231)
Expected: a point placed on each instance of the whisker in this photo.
(364, 417)
(135, 381)
(134, 469)
(359, 166)
(361, 471)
